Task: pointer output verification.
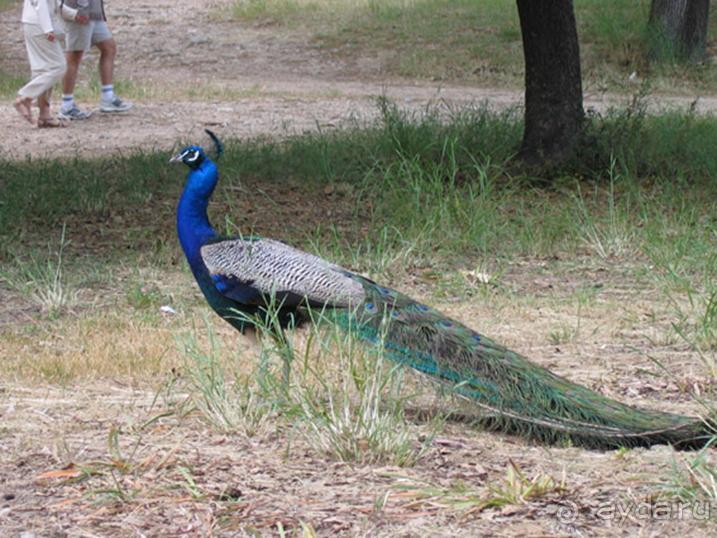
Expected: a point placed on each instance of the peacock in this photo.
(241, 277)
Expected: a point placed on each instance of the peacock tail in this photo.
(250, 275)
(514, 393)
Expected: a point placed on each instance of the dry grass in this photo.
(134, 341)
(162, 90)
(100, 456)
(125, 467)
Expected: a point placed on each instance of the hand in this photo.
(50, 36)
(82, 19)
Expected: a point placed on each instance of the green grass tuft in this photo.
(694, 482)
(10, 83)
(228, 396)
(43, 280)
(346, 403)
(422, 186)
(515, 489)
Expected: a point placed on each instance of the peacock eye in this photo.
(191, 156)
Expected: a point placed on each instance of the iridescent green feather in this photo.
(515, 394)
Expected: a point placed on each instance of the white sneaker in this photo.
(73, 113)
(115, 105)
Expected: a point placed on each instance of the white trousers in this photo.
(47, 62)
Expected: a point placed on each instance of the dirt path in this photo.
(247, 81)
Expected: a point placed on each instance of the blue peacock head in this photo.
(192, 156)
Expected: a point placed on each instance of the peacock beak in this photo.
(177, 158)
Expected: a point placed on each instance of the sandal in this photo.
(49, 123)
(23, 108)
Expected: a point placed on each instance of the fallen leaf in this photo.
(69, 471)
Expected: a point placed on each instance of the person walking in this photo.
(41, 28)
(80, 36)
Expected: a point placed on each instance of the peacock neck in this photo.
(193, 225)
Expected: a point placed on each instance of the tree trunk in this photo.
(678, 29)
(553, 88)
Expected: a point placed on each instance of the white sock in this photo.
(68, 101)
(108, 93)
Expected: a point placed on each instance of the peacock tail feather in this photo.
(514, 394)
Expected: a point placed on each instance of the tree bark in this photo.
(553, 89)
(678, 29)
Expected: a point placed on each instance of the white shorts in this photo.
(83, 36)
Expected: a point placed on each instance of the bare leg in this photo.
(74, 57)
(108, 51)
(23, 105)
(45, 119)
(43, 103)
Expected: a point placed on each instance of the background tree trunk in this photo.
(553, 88)
(678, 29)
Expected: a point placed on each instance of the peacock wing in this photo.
(249, 270)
